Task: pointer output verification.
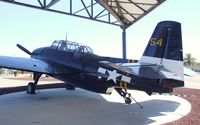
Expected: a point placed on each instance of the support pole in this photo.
(124, 42)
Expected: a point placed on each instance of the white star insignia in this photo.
(113, 75)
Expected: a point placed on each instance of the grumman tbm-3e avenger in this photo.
(159, 70)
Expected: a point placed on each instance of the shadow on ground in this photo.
(61, 107)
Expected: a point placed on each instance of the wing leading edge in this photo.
(26, 64)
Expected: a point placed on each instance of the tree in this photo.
(189, 60)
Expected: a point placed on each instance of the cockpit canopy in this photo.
(69, 46)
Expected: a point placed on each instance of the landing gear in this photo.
(124, 94)
(127, 96)
(127, 100)
(31, 87)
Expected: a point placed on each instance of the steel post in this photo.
(124, 42)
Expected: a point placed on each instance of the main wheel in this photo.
(31, 88)
(70, 87)
(128, 100)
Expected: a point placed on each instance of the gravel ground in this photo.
(192, 95)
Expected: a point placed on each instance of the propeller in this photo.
(24, 49)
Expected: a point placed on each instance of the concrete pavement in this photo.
(80, 107)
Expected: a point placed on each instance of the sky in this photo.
(34, 28)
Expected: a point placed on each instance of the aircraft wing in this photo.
(26, 64)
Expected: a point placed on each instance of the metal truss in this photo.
(88, 9)
(121, 13)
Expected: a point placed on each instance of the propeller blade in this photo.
(24, 49)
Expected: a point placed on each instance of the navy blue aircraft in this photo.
(159, 70)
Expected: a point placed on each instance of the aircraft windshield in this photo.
(70, 46)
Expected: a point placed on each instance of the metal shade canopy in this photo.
(127, 12)
(121, 13)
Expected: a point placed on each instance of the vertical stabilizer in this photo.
(165, 47)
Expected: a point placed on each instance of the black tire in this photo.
(128, 100)
(70, 87)
(30, 88)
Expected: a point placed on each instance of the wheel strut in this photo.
(127, 96)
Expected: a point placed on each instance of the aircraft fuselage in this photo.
(82, 71)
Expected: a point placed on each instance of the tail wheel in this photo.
(31, 88)
(127, 100)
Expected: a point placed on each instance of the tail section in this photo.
(165, 47)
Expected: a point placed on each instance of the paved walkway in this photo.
(7, 82)
(80, 107)
(192, 82)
